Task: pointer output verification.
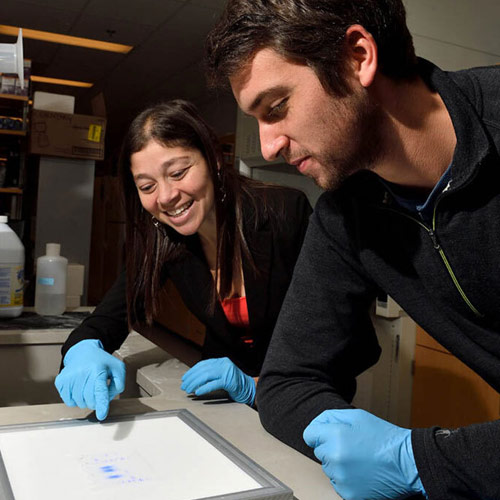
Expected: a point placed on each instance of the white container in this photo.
(11, 271)
(50, 291)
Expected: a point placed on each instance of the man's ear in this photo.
(362, 54)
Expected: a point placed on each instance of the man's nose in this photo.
(272, 141)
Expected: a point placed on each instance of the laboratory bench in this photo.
(153, 384)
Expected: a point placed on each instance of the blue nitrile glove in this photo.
(219, 373)
(363, 455)
(84, 379)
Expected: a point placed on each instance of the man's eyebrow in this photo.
(266, 94)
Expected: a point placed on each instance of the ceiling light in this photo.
(59, 81)
(46, 36)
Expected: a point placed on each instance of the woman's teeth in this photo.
(180, 210)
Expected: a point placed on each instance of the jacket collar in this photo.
(474, 147)
(473, 144)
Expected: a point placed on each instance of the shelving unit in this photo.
(14, 111)
(14, 97)
(11, 190)
(12, 132)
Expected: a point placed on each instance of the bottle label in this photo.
(11, 286)
(46, 281)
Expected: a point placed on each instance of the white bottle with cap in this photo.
(11, 271)
(50, 291)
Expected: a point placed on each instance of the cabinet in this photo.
(107, 246)
(446, 392)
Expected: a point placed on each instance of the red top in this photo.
(236, 311)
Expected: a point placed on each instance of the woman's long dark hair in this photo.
(149, 248)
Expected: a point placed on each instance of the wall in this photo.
(220, 112)
(455, 34)
(64, 208)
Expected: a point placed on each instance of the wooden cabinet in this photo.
(107, 248)
(178, 318)
(446, 392)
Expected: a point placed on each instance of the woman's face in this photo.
(175, 186)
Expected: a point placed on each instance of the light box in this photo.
(167, 454)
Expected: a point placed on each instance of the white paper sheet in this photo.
(149, 459)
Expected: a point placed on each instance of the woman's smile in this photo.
(177, 212)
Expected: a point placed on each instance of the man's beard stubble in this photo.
(359, 123)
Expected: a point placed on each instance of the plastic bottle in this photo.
(11, 271)
(50, 291)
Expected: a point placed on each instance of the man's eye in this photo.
(277, 110)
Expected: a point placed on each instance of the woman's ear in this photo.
(362, 54)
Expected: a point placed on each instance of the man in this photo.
(409, 155)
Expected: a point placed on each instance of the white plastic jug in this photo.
(11, 271)
(50, 291)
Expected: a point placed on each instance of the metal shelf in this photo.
(12, 132)
(11, 190)
(14, 97)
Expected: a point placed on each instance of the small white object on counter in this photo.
(74, 285)
(50, 291)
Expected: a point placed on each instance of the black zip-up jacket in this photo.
(445, 274)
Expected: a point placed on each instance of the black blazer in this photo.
(274, 250)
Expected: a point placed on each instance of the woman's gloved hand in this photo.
(363, 455)
(83, 382)
(219, 373)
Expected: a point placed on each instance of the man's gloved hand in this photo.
(363, 455)
(219, 373)
(84, 379)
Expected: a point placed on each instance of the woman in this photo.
(228, 243)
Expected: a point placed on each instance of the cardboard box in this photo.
(53, 102)
(68, 135)
(75, 277)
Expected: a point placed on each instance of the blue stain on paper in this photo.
(111, 468)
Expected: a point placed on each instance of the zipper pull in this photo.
(433, 236)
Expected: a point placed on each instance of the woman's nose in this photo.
(167, 194)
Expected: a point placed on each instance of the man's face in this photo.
(325, 136)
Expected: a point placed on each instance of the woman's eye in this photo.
(178, 174)
(145, 188)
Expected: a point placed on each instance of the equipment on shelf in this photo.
(11, 58)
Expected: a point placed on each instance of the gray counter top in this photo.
(158, 375)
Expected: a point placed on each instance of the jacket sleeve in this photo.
(323, 337)
(108, 323)
(459, 463)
